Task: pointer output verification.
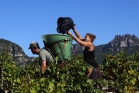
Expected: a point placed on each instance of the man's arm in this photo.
(43, 66)
(42, 57)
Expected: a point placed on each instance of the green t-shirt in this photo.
(46, 56)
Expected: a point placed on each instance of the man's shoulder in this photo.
(43, 50)
(45, 53)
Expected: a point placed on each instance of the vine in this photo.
(120, 71)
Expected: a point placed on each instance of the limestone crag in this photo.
(16, 51)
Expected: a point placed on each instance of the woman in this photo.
(89, 53)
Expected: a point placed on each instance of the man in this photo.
(44, 56)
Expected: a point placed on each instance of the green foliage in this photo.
(121, 71)
(66, 77)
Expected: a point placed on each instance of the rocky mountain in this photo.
(128, 43)
(16, 51)
(122, 41)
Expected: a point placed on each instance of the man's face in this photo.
(34, 51)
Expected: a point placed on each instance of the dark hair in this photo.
(37, 46)
(91, 36)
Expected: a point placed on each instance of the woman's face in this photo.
(87, 38)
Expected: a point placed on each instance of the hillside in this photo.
(16, 51)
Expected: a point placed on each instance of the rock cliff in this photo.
(16, 51)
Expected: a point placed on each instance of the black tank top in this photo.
(89, 57)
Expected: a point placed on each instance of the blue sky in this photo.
(24, 21)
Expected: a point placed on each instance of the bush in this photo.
(66, 77)
(120, 71)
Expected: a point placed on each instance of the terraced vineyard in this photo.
(120, 73)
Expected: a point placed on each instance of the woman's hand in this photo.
(69, 33)
(89, 71)
(73, 28)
